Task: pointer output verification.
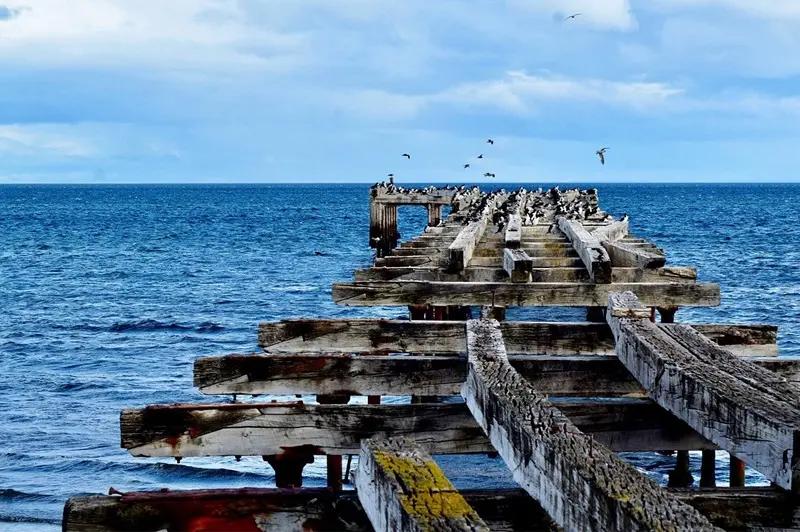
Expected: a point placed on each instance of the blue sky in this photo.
(335, 90)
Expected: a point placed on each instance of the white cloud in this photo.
(772, 9)
(31, 140)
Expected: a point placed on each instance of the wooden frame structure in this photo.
(556, 400)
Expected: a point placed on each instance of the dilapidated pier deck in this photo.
(554, 401)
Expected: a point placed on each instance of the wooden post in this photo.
(334, 462)
(708, 469)
(434, 214)
(401, 488)
(681, 476)
(288, 468)
(737, 472)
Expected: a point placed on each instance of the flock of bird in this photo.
(534, 206)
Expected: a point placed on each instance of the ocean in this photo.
(110, 292)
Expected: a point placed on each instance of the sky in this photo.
(228, 91)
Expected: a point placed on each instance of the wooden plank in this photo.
(623, 254)
(478, 274)
(520, 294)
(594, 257)
(380, 336)
(319, 509)
(613, 231)
(401, 488)
(555, 375)
(517, 265)
(504, 510)
(744, 409)
(257, 429)
(460, 251)
(513, 234)
(581, 485)
(538, 262)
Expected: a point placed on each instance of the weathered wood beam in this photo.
(613, 231)
(253, 429)
(320, 510)
(460, 251)
(746, 410)
(538, 262)
(513, 236)
(581, 485)
(555, 375)
(372, 336)
(378, 336)
(517, 265)
(479, 274)
(623, 254)
(520, 294)
(594, 257)
(401, 488)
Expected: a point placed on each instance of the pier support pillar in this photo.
(334, 462)
(681, 476)
(737, 472)
(383, 235)
(596, 314)
(667, 314)
(288, 468)
(708, 469)
(434, 214)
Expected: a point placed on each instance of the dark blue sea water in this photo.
(108, 294)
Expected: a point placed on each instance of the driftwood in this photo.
(521, 294)
(581, 484)
(744, 409)
(401, 488)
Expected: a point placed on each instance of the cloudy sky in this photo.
(335, 90)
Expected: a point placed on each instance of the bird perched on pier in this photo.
(406, 155)
(573, 16)
(490, 141)
(466, 165)
(601, 153)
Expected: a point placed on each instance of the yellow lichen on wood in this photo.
(427, 493)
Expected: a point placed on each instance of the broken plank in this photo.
(513, 236)
(517, 265)
(746, 410)
(555, 375)
(257, 429)
(520, 294)
(460, 251)
(581, 485)
(593, 255)
(623, 254)
(400, 487)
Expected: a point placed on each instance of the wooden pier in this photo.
(555, 401)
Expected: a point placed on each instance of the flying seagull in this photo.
(572, 16)
(480, 156)
(487, 174)
(466, 165)
(490, 141)
(389, 175)
(407, 156)
(601, 153)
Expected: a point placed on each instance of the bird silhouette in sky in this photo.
(407, 156)
(573, 16)
(480, 156)
(466, 165)
(490, 141)
(601, 153)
